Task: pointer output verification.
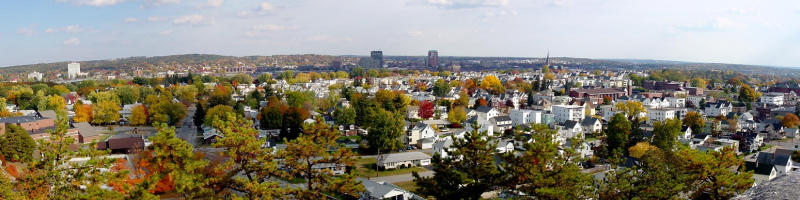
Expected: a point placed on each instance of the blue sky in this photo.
(727, 31)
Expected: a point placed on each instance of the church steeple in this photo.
(547, 60)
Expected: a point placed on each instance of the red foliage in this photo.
(425, 110)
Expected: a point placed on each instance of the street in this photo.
(186, 130)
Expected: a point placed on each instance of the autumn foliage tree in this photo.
(83, 112)
(307, 155)
(425, 110)
(138, 115)
(790, 120)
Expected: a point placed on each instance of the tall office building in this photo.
(73, 70)
(377, 58)
(433, 59)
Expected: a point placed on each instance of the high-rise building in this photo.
(73, 70)
(377, 58)
(433, 59)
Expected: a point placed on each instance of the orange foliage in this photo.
(12, 170)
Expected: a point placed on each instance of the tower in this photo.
(433, 59)
(377, 58)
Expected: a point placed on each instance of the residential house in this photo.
(592, 125)
(718, 108)
(418, 132)
(382, 190)
(127, 144)
(565, 113)
(404, 159)
(526, 117)
(762, 172)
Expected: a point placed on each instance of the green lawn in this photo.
(365, 167)
(408, 185)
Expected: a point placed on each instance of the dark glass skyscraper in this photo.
(377, 58)
(433, 59)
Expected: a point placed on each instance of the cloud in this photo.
(258, 29)
(717, 24)
(93, 2)
(66, 29)
(416, 33)
(27, 31)
(131, 20)
(262, 9)
(156, 3)
(195, 19)
(327, 38)
(165, 32)
(459, 4)
(739, 11)
(72, 41)
(215, 3)
(153, 19)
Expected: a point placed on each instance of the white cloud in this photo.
(738, 11)
(195, 19)
(215, 3)
(153, 19)
(131, 20)
(72, 41)
(327, 38)
(458, 4)
(27, 31)
(257, 29)
(262, 9)
(156, 3)
(716, 24)
(66, 29)
(165, 32)
(93, 2)
(416, 33)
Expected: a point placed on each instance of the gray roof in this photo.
(50, 114)
(778, 188)
(86, 129)
(502, 118)
(570, 124)
(589, 121)
(378, 190)
(405, 156)
(484, 109)
(773, 159)
(20, 119)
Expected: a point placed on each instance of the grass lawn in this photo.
(408, 185)
(365, 167)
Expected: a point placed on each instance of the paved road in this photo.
(401, 177)
(187, 131)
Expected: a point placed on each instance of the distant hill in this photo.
(177, 61)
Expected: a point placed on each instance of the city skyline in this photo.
(737, 32)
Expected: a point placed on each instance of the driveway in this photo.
(401, 177)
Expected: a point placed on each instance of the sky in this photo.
(725, 31)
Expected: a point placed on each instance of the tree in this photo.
(56, 103)
(457, 115)
(138, 115)
(640, 149)
(425, 109)
(166, 111)
(468, 171)
(216, 113)
(54, 176)
(545, 171)
(316, 148)
(711, 176)
(186, 94)
(617, 133)
(790, 120)
(83, 112)
(698, 82)
(747, 94)
(199, 114)
(242, 79)
(492, 84)
(440, 88)
(171, 161)
(300, 98)
(220, 96)
(632, 109)
(106, 108)
(385, 132)
(127, 94)
(16, 144)
(250, 169)
(665, 134)
(344, 115)
(695, 121)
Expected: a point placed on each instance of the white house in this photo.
(404, 159)
(522, 116)
(442, 146)
(418, 132)
(563, 113)
(717, 109)
(591, 125)
(384, 190)
(772, 98)
(657, 115)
